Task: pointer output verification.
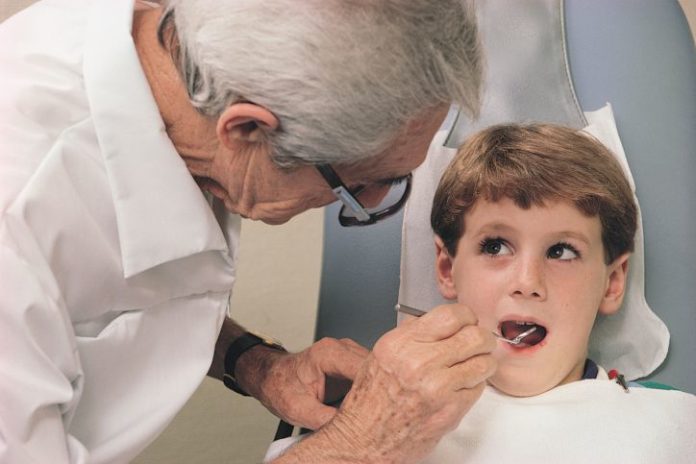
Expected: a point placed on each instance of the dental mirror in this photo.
(401, 308)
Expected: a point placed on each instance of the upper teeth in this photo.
(524, 323)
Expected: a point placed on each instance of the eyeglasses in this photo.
(353, 213)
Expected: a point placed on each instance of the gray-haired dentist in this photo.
(132, 140)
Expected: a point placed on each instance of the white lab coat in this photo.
(115, 272)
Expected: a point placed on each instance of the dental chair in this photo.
(549, 61)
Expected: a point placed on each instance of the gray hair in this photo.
(343, 77)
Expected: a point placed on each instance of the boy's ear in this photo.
(616, 285)
(242, 124)
(443, 269)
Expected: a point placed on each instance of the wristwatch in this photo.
(237, 348)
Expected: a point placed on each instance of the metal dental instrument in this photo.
(518, 339)
(401, 308)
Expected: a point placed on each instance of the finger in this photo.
(314, 414)
(459, 385)
(338, 358)
(470, 341)
(355, 347)
(442, 322)
(470, 373)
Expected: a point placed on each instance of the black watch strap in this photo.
(236, 349)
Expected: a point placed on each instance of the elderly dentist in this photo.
(127, 137)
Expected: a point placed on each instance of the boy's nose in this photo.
(529, 280)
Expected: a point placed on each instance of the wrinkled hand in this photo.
(416, 385)
(293, 386)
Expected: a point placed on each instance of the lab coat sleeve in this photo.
(40, 374)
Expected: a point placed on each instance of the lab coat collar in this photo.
(161, 213)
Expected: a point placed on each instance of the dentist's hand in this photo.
(293, 386)
(415, 386)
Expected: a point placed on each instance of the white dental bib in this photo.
(588, 421)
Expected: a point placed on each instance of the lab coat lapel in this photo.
(151, 186)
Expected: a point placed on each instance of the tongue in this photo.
(511, 329)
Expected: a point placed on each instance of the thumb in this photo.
(316, 414)
(345, 361)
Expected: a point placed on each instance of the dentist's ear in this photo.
(443, 269)
(243, 124)
(616, 285)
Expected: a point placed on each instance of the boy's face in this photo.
(543, 266)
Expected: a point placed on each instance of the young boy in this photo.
(534, 226)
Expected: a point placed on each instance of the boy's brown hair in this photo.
(531, 164)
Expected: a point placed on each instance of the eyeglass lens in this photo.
(390, 198)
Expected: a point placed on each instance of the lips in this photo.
(511, 329)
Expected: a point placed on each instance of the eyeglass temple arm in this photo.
(351, 202)
(341, 191)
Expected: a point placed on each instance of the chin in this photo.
(521, 388)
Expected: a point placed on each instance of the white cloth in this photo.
(614, 342)
(278, 447)
(588, 421)
(115, 273)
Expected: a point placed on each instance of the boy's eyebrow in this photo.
(496, 227)
(499, 227)
(575, 235)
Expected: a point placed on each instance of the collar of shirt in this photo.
(591, 370)
(161, 213)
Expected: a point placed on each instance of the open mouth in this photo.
(511, 329)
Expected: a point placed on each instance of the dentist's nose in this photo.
(530, 280)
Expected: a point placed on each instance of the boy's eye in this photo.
(563, 251)
(494, 247)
